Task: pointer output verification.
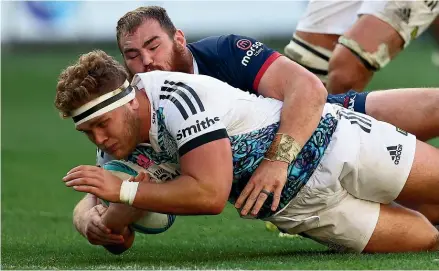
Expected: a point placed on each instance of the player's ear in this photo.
(180, 38)
(134, 104)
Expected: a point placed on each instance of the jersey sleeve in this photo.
(246, 58)
(190, 120)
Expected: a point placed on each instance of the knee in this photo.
(428, 236)
(434, 242)
(340, 80)
(346, 72)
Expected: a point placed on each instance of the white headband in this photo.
(104, 103)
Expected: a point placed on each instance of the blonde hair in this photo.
(93, 75)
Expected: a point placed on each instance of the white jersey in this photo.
(188, 111)
(409, 18)
(191, 110)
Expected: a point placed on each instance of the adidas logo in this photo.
(395, 153)
(404, 14)
(431, 4)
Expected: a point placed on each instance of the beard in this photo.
(179, 61)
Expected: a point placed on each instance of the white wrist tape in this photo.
(128, 192)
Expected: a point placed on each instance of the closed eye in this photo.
(102, 124)
(155, 47)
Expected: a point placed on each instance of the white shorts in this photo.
(329, 17)
(408, 18)
(366, 163)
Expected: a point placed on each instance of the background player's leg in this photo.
(413, 110)
(346, 70)
(312, 51)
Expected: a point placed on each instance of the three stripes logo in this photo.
(180, 95)
(357, 119)
(431, 4)
(404, 14)
(395, 153)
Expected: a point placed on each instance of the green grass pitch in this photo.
(38, 148)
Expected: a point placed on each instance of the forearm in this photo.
(182, 196)
(128, 237)
(302, 110)
(84, 205)
(119, 216)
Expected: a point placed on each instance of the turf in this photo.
(38, 148)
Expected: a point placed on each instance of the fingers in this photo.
(101, 234)
(81, 174)
(84, 168)
(101, 209)
(96, 237)
(276, 197)
(262, 197)
(142, 177)
(244, 194)
(98, 223)
(78, 178)
(83, 182)
(250, 201)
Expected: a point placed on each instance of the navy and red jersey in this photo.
(242, 61)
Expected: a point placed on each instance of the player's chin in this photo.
(122, 153)
(119, 154)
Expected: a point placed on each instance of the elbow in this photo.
(312, 88)
(218, 208)
(214, 205)
(317, 90)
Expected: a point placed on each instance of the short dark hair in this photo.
(133, 19)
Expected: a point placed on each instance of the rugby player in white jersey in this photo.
(148, 40)
(346, 42)
(215, 136)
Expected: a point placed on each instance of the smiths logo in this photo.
(251, 49)
(395, 153)
(197, 127)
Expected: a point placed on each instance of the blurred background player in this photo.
(345, 42)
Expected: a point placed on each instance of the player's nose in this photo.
(100, 138)
(146, 60)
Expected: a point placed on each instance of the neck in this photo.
(190, 60)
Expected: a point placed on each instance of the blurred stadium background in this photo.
(38, 40)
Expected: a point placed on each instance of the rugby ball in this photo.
(151, 222)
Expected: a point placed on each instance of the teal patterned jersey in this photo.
(191, 110)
